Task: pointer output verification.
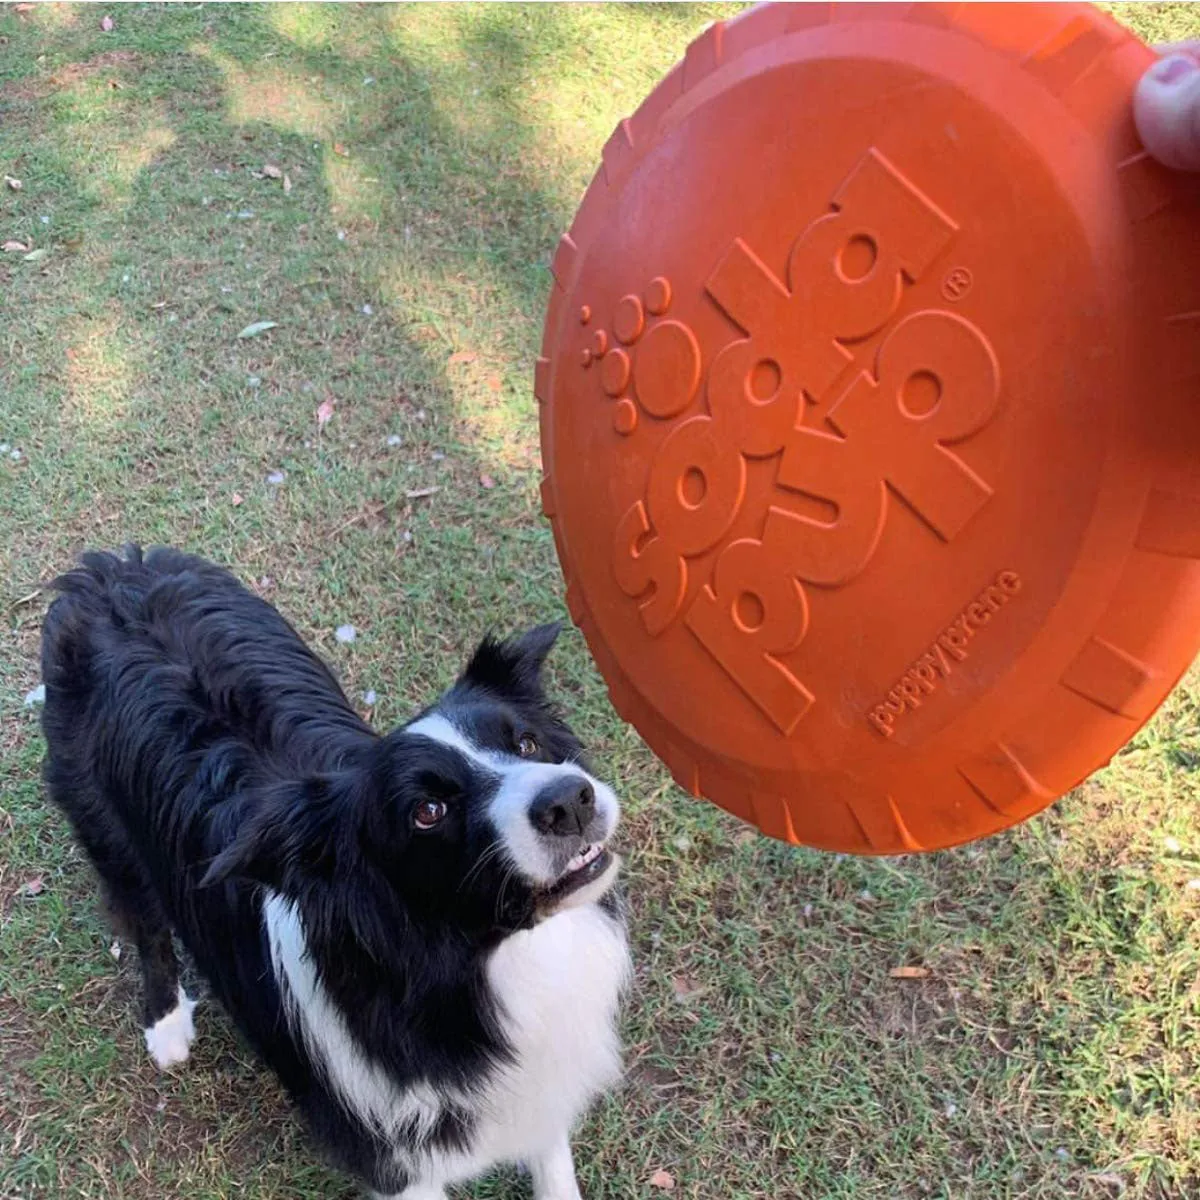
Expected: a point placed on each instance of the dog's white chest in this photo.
(559, 987)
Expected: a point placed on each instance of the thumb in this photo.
(1166, 108)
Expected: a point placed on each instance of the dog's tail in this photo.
(98, 571)
(105, 589)
(128, 574)
(111, 590)
(98, 588)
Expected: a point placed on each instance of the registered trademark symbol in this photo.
(957, 283)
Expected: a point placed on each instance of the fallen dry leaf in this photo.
(420, 493)
(32, 887)
(236, 499)
(462, 356)
(684, 988)
(909, 972)
(370, 515)
(258, 327)
(487, 482)
(324, 413)
(107, 24)
(12, 246)
(287, 184)
(271, 171)
(494, 383)
(338, 148)
(14, 184)
(23, 8)
(663, 1180)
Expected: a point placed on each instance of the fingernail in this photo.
(1171, 70)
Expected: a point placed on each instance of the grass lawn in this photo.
(424, 161)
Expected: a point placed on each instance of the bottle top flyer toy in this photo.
(870, 415)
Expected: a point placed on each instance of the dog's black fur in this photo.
(200, 750)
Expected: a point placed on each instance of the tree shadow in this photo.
(423, 209)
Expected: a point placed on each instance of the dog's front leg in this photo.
(554, 1173)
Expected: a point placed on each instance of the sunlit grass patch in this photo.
(272, 94)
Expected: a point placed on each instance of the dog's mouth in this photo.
(586, 867)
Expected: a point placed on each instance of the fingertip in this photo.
(1166, 109)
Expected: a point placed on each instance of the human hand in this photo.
(1166, 107)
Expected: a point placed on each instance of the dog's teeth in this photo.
(587, 855)
(579, 861)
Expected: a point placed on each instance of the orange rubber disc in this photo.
(870, 410)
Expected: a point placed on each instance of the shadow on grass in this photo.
(417, 226)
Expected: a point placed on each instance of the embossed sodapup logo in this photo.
(933, 381)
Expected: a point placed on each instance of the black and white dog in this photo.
(418, 932)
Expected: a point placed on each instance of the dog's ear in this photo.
(533, 647)
(515, 662)
(292, 831)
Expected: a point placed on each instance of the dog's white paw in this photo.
(170, 1038)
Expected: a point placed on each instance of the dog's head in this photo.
(479, 816)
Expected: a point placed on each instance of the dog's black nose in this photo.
(564, 808)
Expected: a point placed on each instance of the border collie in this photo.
(418, 932)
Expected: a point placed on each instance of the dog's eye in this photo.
(429, 813)
(527, 746)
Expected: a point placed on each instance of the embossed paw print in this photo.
(652, 364)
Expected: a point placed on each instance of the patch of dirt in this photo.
(110, 60)
(19, 1040)
(652, 1083)
(917, 1011)
(69, 74)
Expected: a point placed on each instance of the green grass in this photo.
(435, 155)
